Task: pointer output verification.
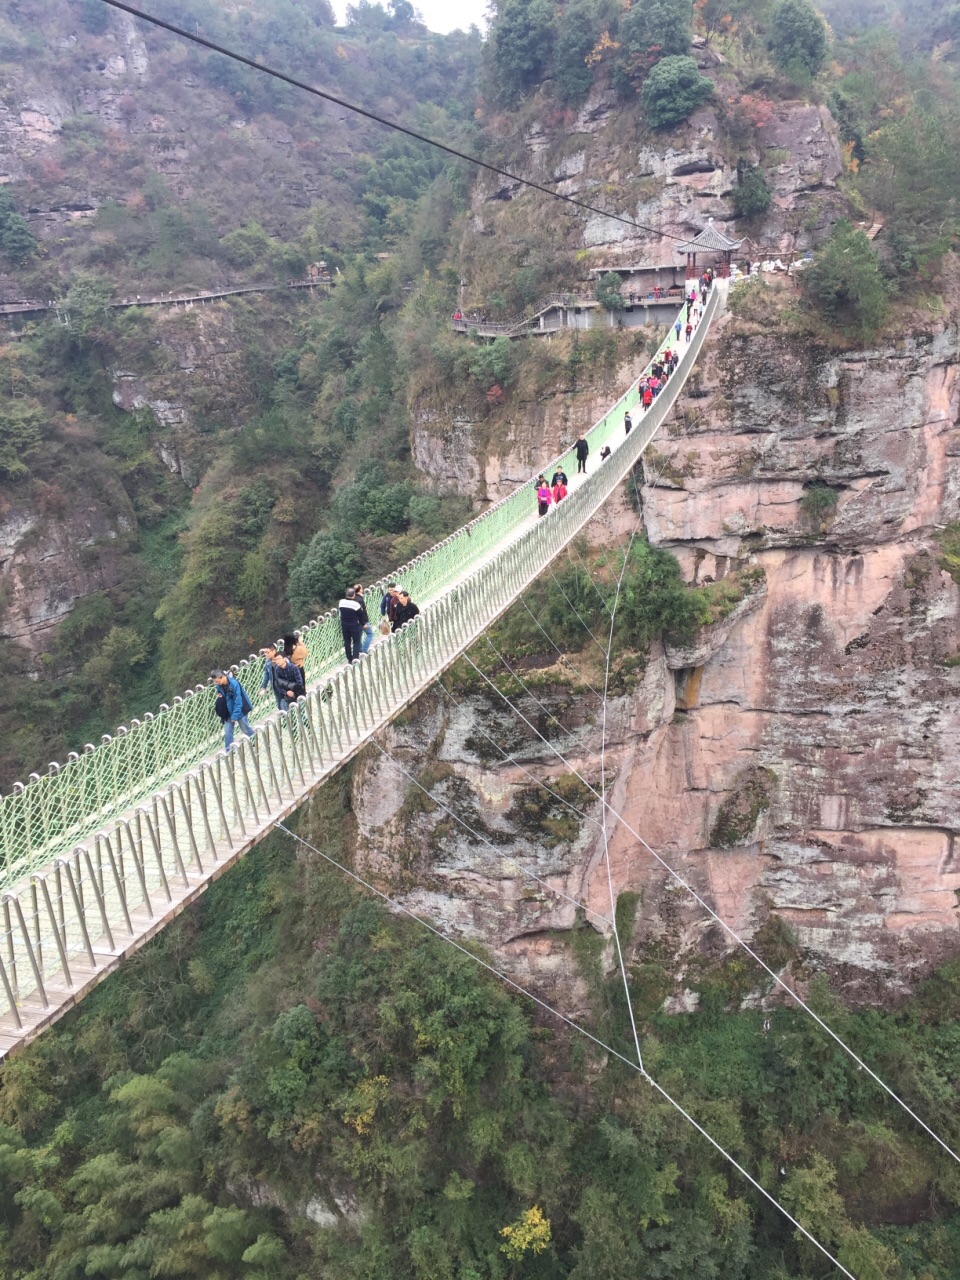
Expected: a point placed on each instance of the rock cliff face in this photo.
(799, 760)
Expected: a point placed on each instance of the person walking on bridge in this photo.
(627, 423)
(544, 496)
(559, 492)
(582, 450)
(368, 625)
(238, 705)
(559, 477)
(678, 326)
(406, 611)
(269, 653)
(288, 683)
(353, 615)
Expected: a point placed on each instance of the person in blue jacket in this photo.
(238, 705)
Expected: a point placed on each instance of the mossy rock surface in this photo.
(738, 814)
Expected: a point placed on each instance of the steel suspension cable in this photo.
(195, 38)
(603, 797)
(574, 1026)
(728, 929)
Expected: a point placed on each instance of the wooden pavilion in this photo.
(710, 240)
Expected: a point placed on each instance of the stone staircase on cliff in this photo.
(101, 852)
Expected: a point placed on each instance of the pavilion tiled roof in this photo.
(709, 238)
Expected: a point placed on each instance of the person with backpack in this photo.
(296, 651)
(559, 492)
(236, 704)
(544, 496)
(353, 615)
(288, 682)
(678, 327)
(582, 450)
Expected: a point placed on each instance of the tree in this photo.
(913, 178)
(16, 239)
(608, 292)
(798, 38)
(752, 195)
(845, 282)
(325, 568)
(648, 32)
(578, 35)
(659, 28)
(523, 44)
(673, 90)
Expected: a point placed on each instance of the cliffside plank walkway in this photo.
(100, 853)
(28, 307)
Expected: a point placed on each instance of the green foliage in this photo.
(87, 303)
(246, 246)
(949, 540)
(17, 241)
(798, 38)
(845, 282)
(752, 195)
(819, 502)
(578, 33)
(673, 90)
(21, 422)
(651, 31)
(654, 600)
(912, 174)
(523, 44)
(608, 292)
(321, 573)
(737, 816)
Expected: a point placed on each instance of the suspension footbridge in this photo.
(101, 852)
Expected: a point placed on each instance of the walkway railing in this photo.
(155, 833)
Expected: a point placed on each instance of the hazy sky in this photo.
(439, 15)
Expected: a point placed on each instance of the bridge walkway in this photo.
(100, 854)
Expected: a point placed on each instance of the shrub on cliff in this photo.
(752, 195)
(844, 282)
(16, 239)
(673, 90)
(654, 599)
(798, 38)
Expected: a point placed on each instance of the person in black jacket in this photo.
(287, 681)
(353, 618)
(405, 611)
(582, 449)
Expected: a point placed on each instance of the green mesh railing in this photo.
(59, 809)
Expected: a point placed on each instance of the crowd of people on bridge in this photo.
(284, 671)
